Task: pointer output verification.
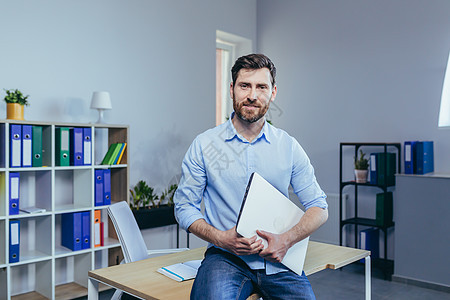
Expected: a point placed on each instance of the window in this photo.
(228, 48)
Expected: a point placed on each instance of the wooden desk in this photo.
(141, 279)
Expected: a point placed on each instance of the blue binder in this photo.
(71, 231)
(15, 145)
(14, 193)
(373, 168)
(425, 157)
(76, 146)
(14, 241)
(87, 146)
(369, 240)
(410, 156)
(27, 148)
(98, 187)
(106, 187)
(86, 228)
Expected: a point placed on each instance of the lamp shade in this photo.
(101, 100)
(444, 112)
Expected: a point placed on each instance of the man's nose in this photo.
(253, 95)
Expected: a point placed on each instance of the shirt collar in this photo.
(231, 132)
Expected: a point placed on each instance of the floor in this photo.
(348, 284)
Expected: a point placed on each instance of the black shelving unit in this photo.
(385, 264)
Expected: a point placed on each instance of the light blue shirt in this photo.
(218, 165)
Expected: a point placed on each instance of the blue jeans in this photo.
(223, 275)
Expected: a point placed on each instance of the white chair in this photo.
(130, 237)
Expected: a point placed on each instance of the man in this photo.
(216, 169)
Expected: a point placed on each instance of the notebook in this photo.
(266, 208)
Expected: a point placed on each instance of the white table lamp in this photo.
(444, 112)
(101, 101)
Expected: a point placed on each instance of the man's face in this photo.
(252, 94)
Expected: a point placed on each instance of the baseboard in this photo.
(421, 283)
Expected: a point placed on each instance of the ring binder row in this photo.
(73, 146)
(102, 187)
(25, 146)
(76, 230)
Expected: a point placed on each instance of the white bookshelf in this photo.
(46, 269)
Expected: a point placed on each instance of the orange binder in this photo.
(97, 231)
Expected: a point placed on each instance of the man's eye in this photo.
(244, 86)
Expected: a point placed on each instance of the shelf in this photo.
(73, 290)
(383, 203)
(46, 269)
(365, 222)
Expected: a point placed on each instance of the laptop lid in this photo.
(266, 208)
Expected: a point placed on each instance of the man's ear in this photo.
(274, 93)
(231, 90)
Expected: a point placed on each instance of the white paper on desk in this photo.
(265, 208)
(181, 271)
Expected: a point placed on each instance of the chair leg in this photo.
(117, 295)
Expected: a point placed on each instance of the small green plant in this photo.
(142, 195)
(362, 163)
(168, 194)
(16, 96)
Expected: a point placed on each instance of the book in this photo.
(266, 208)
(111, 154)
(181, 271)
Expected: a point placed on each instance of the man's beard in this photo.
(249, 117)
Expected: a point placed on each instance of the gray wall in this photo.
(155, 57)
(357, 70)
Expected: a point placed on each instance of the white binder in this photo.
(266, 208)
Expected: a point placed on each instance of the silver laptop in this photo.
(266, 208)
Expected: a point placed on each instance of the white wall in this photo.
(155, 57)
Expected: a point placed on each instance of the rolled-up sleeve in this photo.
(304, 181)
(188, 196)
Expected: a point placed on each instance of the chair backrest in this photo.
(130, 237)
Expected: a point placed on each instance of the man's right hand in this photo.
(237, 244)
(228, 239)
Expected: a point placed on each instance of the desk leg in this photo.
(92, 289)
(368, 278)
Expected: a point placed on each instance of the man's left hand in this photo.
(277, 246)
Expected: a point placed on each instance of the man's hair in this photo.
(253, 61)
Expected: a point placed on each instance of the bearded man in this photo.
(216, 170)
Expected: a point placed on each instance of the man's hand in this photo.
(233, 242)
(277, 246)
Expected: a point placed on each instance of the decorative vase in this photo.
(361, 176)
(14, 111)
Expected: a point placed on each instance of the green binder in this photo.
(62, 151)
(384, 209)
(386, 176)
(37, 146)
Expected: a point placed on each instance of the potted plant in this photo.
(15, 101)
(361, 167)
(151, 210)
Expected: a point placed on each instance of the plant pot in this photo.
(14, 111)
(155, 217)
(361, 176)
